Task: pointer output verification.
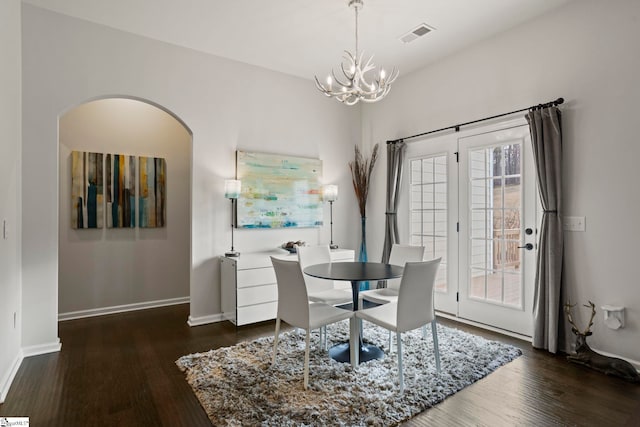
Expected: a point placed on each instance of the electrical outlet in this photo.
(573, 223)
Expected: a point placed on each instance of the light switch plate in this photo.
(573, 223)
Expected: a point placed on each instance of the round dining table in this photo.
(355, 272)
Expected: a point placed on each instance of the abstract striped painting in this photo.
(278, 191)
(87, 190)
(121, 190)
(152, 202)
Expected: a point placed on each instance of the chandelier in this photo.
(354, 86)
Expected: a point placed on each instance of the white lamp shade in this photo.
(330, 193)
(232, 188)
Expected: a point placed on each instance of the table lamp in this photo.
(232, 192)
(330, 194)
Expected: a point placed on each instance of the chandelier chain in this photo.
(356, 7)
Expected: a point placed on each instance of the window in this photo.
(429, 212)
(495, 209)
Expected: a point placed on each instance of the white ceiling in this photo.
(307, 37)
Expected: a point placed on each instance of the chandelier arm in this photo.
(347, 85)
(368, 88)
(359, 63)
(352, 102)
(393, 76)
(353, 63)
(371, 93)
(369, 65)
(321, 87)
(348, 55)
(328, 92)
(386, 82)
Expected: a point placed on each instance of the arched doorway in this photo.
(110, 269)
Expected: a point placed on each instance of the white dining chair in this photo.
(321, 290)
(413, 309)
(400, 254)
(295, 309)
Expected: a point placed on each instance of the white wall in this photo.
(585, 52)
(9, 192)
(226, 104)
(108, 267)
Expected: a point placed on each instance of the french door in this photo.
(473, 202)
(497, 197)
(433, 184)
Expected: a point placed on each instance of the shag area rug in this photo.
(237, 386)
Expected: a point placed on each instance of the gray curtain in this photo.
(395, 161)
(546, 138)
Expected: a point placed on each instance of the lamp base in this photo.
(232, 254)
(333, 246)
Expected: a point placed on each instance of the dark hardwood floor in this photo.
(119, 370)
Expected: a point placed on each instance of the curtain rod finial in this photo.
(559, 101)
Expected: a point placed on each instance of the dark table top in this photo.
(355, 271)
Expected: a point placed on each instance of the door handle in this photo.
(528, 246)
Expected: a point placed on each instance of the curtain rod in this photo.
(457, 127)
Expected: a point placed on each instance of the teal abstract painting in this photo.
(278, 191)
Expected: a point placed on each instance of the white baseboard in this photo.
(7, 378)
(121, 308)
(204, 320)
(483, 326)
(635, 363)
(36, 350)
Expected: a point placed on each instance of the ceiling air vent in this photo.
(419, 31)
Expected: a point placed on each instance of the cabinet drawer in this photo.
(257, 295)
(256, 276)
(257, 313)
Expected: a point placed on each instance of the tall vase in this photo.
(362, 255)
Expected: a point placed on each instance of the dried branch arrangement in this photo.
(361, 170)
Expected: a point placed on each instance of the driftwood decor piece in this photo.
(586, 356)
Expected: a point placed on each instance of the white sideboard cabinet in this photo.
(249, 290)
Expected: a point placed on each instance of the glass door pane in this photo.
(429, 211)
(495, 210)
